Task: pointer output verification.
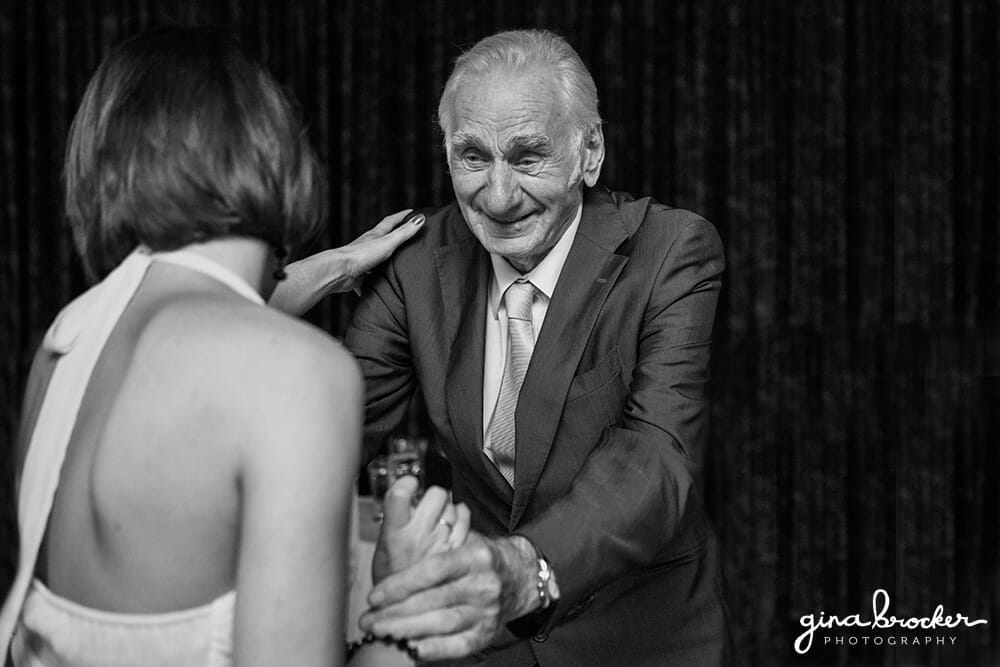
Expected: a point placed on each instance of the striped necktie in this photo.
(520, 343)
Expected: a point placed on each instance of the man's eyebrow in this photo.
(462, 140)
(537, 143)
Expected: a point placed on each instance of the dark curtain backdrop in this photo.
(846, 150)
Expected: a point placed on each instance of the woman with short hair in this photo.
(187, 455)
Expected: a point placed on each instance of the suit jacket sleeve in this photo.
(634, 503)
(379, 339)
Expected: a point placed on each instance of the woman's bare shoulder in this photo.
(254, 339)
(258, 367)
(292, 393)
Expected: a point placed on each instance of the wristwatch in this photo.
(548, 589)
(535, 624)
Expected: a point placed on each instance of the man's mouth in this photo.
(508, 221)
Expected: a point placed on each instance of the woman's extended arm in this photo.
(342, 269)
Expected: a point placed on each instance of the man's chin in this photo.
(504, 240)
(507, 248)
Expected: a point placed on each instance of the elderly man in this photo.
(559, 333)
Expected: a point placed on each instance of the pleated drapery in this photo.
(846, 150)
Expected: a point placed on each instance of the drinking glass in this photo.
(405, 456)
(380, 481)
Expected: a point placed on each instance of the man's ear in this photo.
(593, 155)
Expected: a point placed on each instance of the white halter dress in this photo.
(41, 628)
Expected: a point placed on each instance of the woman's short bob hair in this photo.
(180, 138)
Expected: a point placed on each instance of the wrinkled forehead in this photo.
(501, 107)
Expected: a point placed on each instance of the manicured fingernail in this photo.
(419, 220)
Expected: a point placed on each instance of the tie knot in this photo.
(519, 297)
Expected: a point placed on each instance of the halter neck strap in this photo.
(78, 336)
(210, 268)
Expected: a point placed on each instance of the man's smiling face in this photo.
(516, 164)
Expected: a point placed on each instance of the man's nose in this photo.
(501, 193)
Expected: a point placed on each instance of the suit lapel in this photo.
(587, 277)
(464, 273)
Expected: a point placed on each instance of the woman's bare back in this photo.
(148, 513)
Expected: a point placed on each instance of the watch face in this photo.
(548, 578)
(553, 588)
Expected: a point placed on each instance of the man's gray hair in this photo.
(523, 50)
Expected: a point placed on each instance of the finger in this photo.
(382, 247)
(429, 510)
(449, 647)
(390, 222)
(471, 566)
(425, 624)
(370, 250)
(463, 523)
(439, 539)
(449, 516)
(476, 592)
(429, 572)
(397, 503)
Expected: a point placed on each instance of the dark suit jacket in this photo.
(611, 420)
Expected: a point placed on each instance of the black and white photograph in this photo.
(550, 333)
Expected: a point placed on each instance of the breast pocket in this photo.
(605, 372)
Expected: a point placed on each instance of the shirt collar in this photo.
(543, 277)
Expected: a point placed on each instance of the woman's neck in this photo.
(250, 258)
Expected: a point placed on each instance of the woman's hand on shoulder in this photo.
(375, 246)
(342, 269)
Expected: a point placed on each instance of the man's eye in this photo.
(527, 161)
(473, 159)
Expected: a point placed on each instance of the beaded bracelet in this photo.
(401, 644)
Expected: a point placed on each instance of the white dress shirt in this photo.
(544, 278)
